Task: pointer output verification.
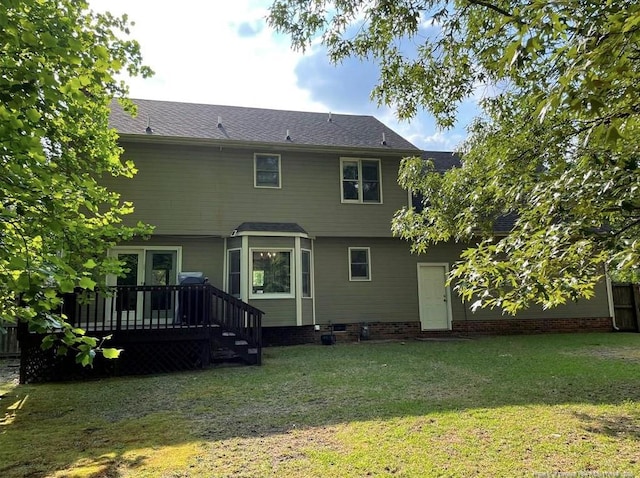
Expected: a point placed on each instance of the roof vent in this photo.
(384, 140)
(288, 137)
(148, 129)
(219, 121)
(329, 120)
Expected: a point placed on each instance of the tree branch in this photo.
(492, 7)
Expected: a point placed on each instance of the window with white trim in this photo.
(361, 180)
(306, 273)
(266, 169)
(233, 268)
(271, 273)
(359, 264)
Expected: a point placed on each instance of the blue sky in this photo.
(222, 52)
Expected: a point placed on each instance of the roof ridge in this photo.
(191, 103)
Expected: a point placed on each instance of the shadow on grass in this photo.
(112, 424)
(615, 426)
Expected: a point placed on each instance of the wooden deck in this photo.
(159, 328)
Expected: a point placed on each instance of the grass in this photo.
(504, 406)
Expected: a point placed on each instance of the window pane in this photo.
(129, 300)
(350, 190)
(162, 264)
(234, 261)
(234, 273)
(271, 272)
(306, 274)
(234, 284)
(371, 191)
(267, 163)
(130, 269)
(359, 271)
(370, 170)
(266, 178)
(350, 170)
(417, 201)
(358, 256)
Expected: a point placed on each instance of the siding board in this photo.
(199, 190)
(278, 312)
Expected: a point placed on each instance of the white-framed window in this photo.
(361, 180)
(271, 273)
(233, 272)
(266, 170)
(359, 264)
(416, 201)
(305, 268)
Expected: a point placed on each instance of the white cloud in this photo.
(200, 53)
(222, 52)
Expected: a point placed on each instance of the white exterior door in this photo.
(434, 297)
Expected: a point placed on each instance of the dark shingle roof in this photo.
(270, 227)
(443, 160)
(190, 120)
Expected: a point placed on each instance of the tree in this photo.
(58, 75)
(556, 144)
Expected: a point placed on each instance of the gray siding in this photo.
(392, 293)
(201, 190)
(278, 312)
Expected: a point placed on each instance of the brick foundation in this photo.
(531, 326)
(276, 336)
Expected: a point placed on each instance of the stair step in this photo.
(228, 334)
(242, 342)
(253, 351)
(224, 354)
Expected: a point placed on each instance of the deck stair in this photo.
(227, 347)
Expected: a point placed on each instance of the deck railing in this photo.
(123, 308)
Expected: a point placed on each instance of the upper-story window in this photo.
(266, 171)
(361, 180)
(416, 201)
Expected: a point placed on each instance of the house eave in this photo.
(266, 146)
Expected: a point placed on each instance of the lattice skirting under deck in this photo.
(138, 358)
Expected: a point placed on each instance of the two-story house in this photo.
(290, 212)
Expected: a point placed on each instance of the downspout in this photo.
(612, 310)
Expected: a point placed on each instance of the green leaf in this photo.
(66, 286)
(87, 283)
(111, 353)
(33, 115)
(613, 134)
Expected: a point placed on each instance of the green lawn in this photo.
(505, 406)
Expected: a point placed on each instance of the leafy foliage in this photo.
(556, 146)
(58, 75)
